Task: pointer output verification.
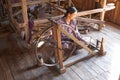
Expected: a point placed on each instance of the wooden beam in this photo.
(89, 20)
(102, 14)
(57, 7)
(25, 17)
(37, 34)
(24, 11)
(70, 2)
(10, 10)
(73, 60)
(10, 15)
(59, 3)
(15, 14)
(60, 54)
(83, 13)
(40, 21)
(20, 11)
(76, 40)
(37, 22)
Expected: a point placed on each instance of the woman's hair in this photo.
(70, 10)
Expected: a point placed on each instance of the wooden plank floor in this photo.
(19, 63)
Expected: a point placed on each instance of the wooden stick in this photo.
(25, 17)
(60, 54)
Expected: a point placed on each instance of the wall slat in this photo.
(114, 15)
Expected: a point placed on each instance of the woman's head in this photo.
(71, 13)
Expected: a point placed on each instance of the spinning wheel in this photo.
(46, 47)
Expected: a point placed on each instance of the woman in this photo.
(69, 23)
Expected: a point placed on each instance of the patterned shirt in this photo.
(70, 28)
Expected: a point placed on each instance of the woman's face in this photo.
(72, 16)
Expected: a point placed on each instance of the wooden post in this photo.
(70, 2)
(59, 3)
(102, 48)
(97, 0)
(102, 45)
(10, 15)
(9, 6)
(102, 14)
(49, 1)
(25, 18)
(57, 36)
(103, 4)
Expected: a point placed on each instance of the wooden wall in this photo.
(114, 15)
(82, 5)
